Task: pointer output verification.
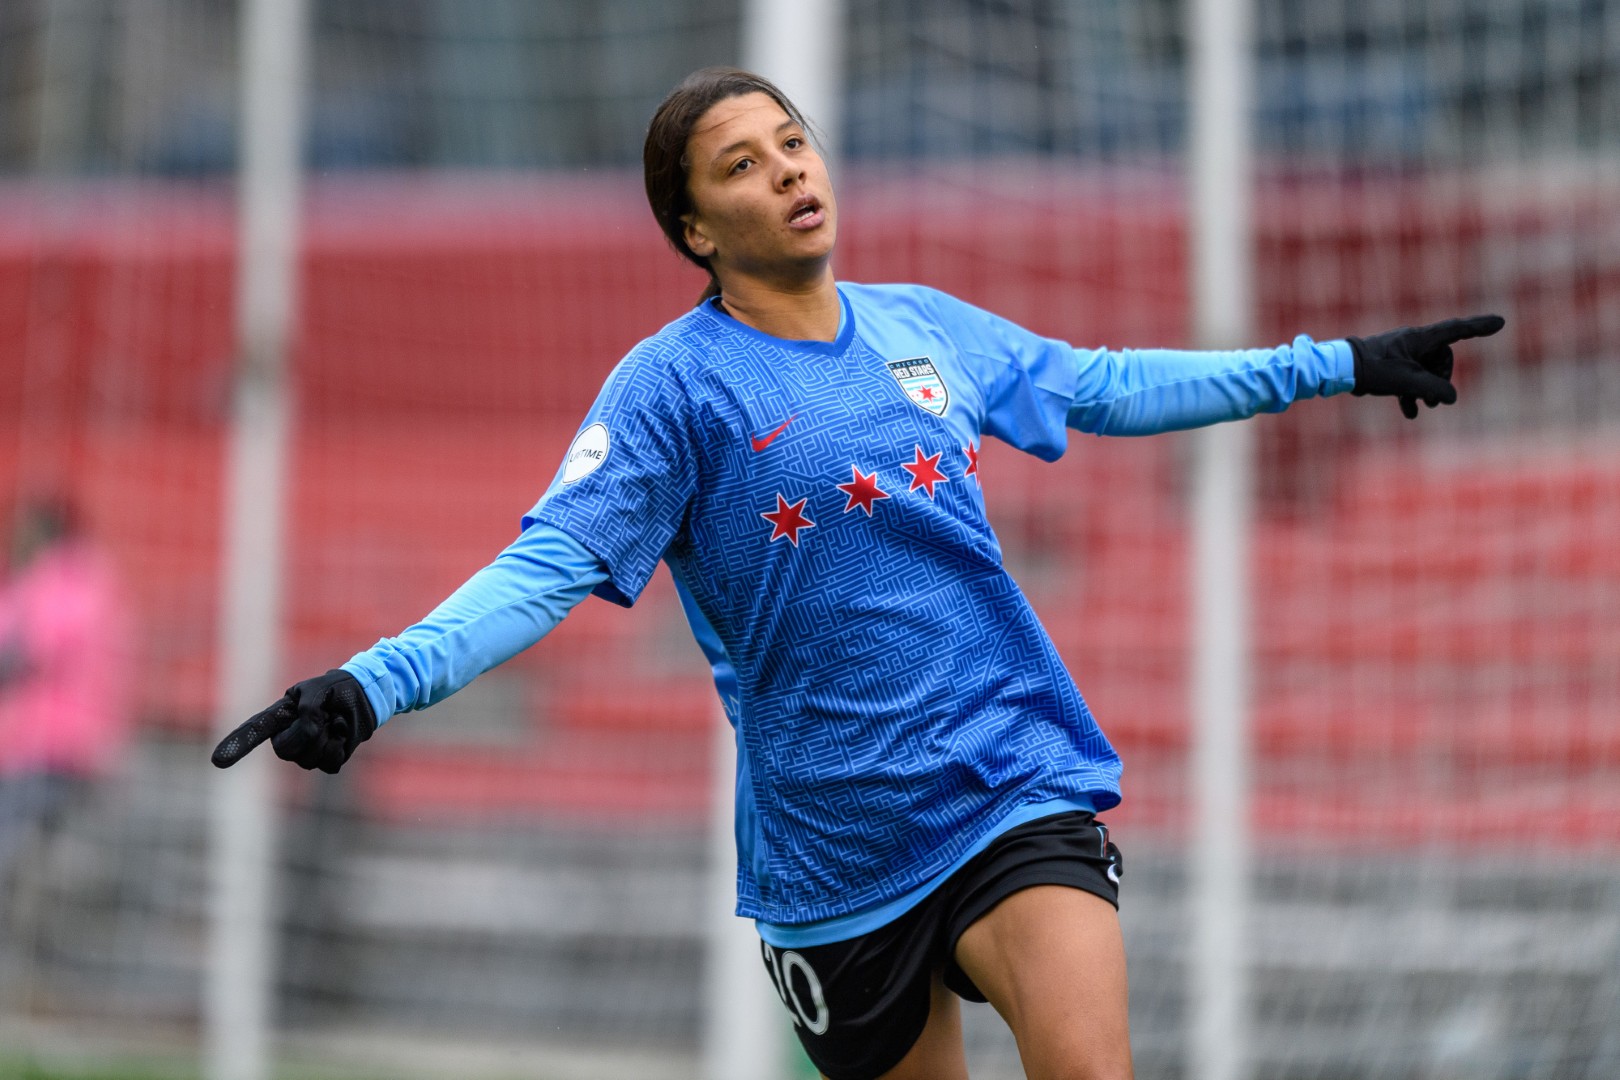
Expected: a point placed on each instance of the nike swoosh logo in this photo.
(760, 444)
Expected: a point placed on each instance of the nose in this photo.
(792, 172)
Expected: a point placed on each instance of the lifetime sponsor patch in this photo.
(590, 449)
(920, 380)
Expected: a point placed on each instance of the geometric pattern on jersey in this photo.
(893, 693)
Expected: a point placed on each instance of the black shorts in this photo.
(859, 1005)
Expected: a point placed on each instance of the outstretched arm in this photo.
(1147, 391)
(500, 611)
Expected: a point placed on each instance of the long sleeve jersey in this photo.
(896, 702)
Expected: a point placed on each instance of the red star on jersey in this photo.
(787, 520)
(972, 470)
(924, 472)
(863, 491)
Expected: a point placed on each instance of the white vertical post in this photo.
(743, 1021)
(237, 1007)
(1222, 255)
(798, 46)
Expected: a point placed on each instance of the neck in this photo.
(799, 312)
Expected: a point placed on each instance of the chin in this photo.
(820, 244)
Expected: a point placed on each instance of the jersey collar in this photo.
(846, 328)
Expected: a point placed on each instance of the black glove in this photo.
(1415, 362)
(316, 724)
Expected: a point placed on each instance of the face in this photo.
(763, 205)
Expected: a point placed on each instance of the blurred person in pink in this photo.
(64, 649)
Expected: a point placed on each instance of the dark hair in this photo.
(41, 522)
(664, 163)
(52, 517)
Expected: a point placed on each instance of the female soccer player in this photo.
(917, 774)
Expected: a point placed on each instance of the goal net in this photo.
(514, 882)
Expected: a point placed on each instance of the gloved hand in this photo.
(1414, 363)
(316, 724)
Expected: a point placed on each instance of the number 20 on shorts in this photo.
(781, 966)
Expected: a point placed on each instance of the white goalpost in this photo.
(237, 1001)
(1223, 305)
(798, 46)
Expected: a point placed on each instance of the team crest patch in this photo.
(920, 380)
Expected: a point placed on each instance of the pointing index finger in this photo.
(1475, 326)
(259, 727)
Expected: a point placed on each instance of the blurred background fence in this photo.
(512, 884)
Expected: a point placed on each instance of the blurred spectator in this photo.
(64, 644)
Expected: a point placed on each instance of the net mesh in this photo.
(1438, 890)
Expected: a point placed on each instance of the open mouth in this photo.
(806, 212)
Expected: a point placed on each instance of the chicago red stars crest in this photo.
(920, 380)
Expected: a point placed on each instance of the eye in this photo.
(794, 142)
(739, 166)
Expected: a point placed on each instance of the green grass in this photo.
(31, 1070)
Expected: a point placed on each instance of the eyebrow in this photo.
(741, 143)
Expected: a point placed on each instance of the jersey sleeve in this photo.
(500, 611)
(630, 476)
(1027, 382)
(1148, 391)
(1035, 387)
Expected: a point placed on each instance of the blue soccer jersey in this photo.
(895, 699)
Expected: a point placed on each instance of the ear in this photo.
(699, 243)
